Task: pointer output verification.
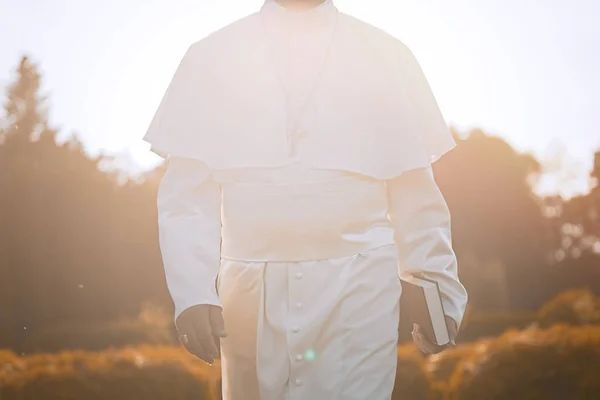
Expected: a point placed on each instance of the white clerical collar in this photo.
(275, 13)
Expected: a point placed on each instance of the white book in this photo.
(424, 302)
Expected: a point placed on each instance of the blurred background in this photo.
(84, 311)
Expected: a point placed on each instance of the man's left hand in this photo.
(428, 347)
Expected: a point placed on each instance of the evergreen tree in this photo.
(76, 245)
(24, 118)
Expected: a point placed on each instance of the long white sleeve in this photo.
(189, 223)
(421, 220)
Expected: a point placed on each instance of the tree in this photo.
(76, 245)
(24, 118)
(496, 217)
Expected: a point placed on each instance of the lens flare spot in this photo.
(310, 355)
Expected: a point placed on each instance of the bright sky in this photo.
(526, 70)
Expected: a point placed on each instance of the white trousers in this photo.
(311, 330)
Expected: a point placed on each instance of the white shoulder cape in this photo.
(374, 112)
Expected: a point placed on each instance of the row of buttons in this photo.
(298, 306)
(299, 276)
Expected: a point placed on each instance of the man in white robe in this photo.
(299, 185)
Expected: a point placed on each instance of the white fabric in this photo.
(307, 254)
(311, 330)
(421, 221)
(300, 43)
(189, 226)
(325, 216)
(192, 201)
(373, 108)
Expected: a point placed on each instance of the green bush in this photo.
(574, 307)
(478, 325)
(561, 363)
(10, 367)
(151, 373)
(148, 373)
(440, 367)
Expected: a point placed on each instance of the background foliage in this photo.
(80, 268)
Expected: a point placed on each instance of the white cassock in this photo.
(298, 186)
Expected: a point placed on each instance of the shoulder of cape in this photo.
(227, 38)
(377, 37)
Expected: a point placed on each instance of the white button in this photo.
(295, 329)
(299, 357)
(299, 275)
(299, 382)
(298, 306)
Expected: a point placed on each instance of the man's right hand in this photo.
(203, 325)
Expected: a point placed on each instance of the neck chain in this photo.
(293, 123)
